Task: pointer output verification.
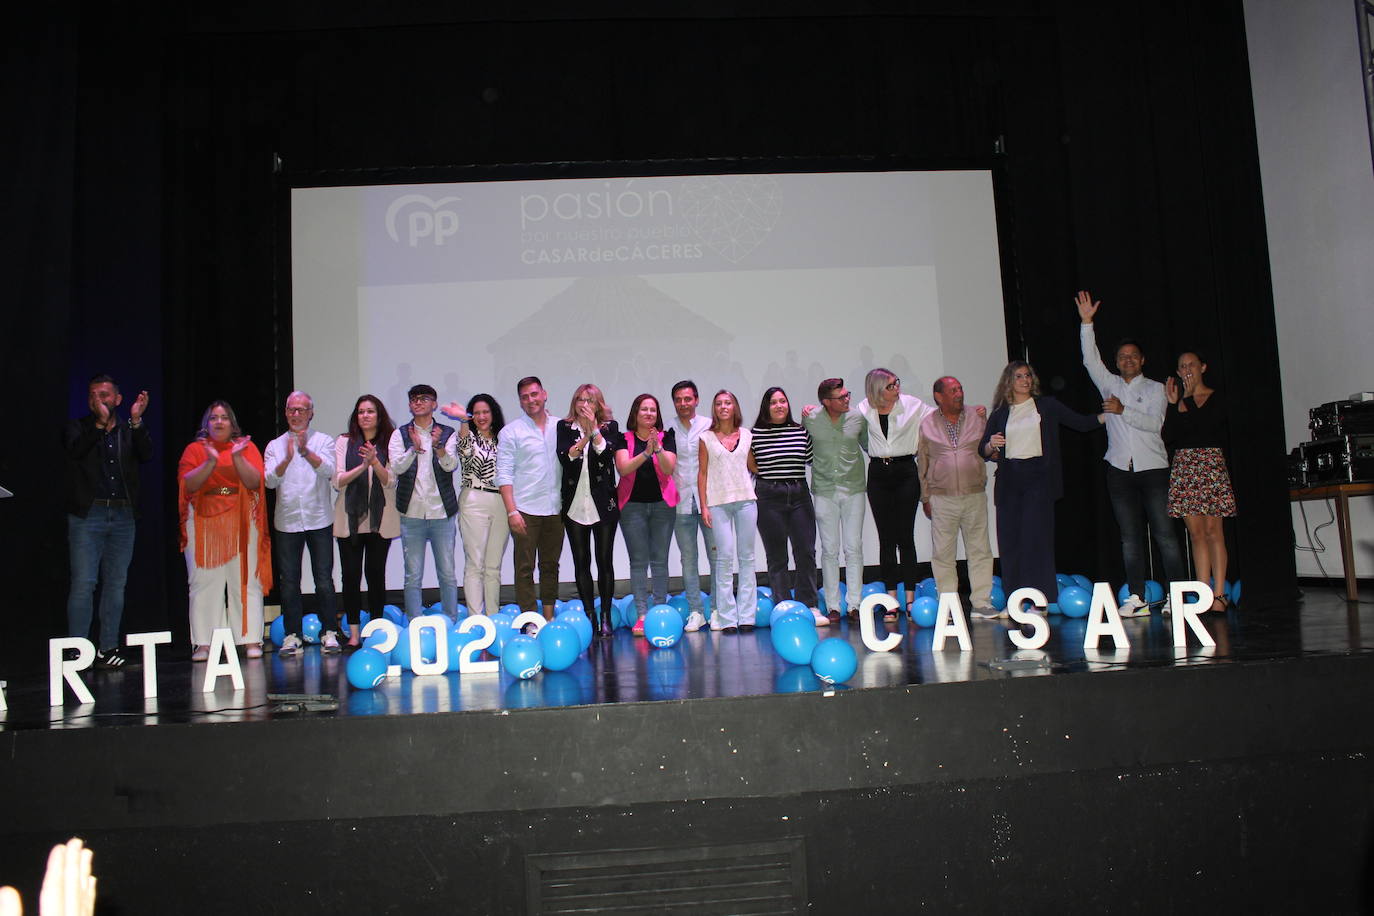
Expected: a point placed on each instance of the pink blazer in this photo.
(626, 485)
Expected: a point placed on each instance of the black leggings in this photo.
(894, 491)
(357, 553)
(580, 538)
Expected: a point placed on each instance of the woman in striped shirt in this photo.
(779, 454)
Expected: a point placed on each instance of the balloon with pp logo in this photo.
(522, 656)
(834, 660)
(366, 669)
(663, 626)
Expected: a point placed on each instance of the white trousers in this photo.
(486, 530)
(840, 520)
(216, 593)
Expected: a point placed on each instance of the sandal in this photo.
(1223, 601)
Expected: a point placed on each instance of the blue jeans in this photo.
(686, 526)
(288, 547)
(736, 527)
(648, 529)
(1138, 497)
(441, 534)
(101, 544)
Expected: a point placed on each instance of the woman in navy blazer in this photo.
(1022, 436)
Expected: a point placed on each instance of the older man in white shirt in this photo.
(300, 467)
(530, 479)
(1137, 464)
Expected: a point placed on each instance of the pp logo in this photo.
(423, 218)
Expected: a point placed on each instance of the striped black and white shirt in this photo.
(781, 452)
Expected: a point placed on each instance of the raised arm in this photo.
(1087, 340)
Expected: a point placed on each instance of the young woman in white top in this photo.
(365, 519)
(730, 510)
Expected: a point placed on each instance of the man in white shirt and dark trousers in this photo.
(423, 456)
(1137, 464)
(300, 467)
(688, 428)
(530, 479)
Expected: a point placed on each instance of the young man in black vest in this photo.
(103, 455)
(424, 455)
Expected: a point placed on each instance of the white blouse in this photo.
(1023, 431)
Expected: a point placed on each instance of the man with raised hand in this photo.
(300, 467)
(423, 456)
(1137, 464)
(530, 479)
(103, 455)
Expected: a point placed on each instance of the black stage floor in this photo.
(715, 778)
(703, 665)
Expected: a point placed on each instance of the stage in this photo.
(714, 777)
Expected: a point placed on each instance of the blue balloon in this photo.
(511, 609)
(873, 588)
(1154, 592)
(929, 589)
(924, 611)
(996, 579)
(560, 643)
(559, 605)
(683, 606)
(376, 639)
(901, 594)
(764, 590)
(579, 622)
(310, 628)
(394, 614)
(663, 626)
(574, 604)
(787, 607)
(834, 660)
(844, 590)
(457, 643)
(706, 601)
(461, 611)
(504, 631)
(763, 612)
(998, 597)
(1054, 608)
(1235, 592)
(1063, 581)
(1082, 582)
(366, 669)
(436, 608)
(522, 656)
(1075, 601)
(400, 655)
(1123, 593)
(346, 630)
(429, 650)
(278, 630)
(794, 637)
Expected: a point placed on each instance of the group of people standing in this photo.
(664, 478)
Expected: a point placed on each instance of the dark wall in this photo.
(148, 241)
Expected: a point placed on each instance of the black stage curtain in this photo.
(148, 241)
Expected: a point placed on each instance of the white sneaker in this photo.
(716, 624)
(290, 646)
(988, 613)
(821, 619)
(695, 621)
(1133, 606)
(1165, 609)
(329, 642)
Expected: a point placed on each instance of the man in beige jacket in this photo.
(953, 479)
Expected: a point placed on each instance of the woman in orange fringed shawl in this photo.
(224, 532)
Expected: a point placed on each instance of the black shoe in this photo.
(607, 628)
(746, 628)
(730, 631)
(111, 658)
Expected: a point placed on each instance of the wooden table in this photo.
(1341, 493)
